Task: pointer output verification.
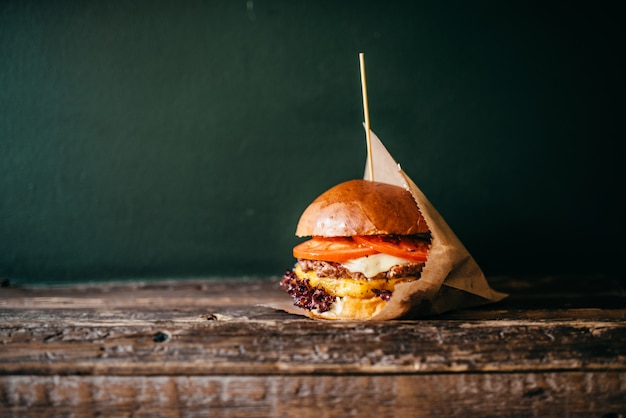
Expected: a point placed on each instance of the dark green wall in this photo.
(143, 139)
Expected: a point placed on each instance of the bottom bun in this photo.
(348, 307)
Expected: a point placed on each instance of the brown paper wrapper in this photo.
(451, 278)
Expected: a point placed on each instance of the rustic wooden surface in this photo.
(555, 347)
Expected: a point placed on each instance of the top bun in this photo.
(362, 207)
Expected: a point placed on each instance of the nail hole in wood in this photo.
(161, 337)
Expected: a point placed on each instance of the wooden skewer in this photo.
(366, 114)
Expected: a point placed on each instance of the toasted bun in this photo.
(362, 207)
(349, 307)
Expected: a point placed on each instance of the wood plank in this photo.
(211, 348)
(192, 294)
(155, 343)
(217, 327)
(579, 394)
(534, 294)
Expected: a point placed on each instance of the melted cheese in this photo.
(348, 286)
(372, 265)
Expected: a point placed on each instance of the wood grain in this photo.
(425, 395)
(155, 344)
(212, 348)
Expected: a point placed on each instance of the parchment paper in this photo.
(451, 278)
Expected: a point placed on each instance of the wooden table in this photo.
(555, 347)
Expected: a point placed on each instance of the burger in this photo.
(366, 237)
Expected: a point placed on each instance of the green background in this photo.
(165, 139)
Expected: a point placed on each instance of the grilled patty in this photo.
(337, 271)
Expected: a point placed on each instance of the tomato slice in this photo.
(336, 249)
(403, 246)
